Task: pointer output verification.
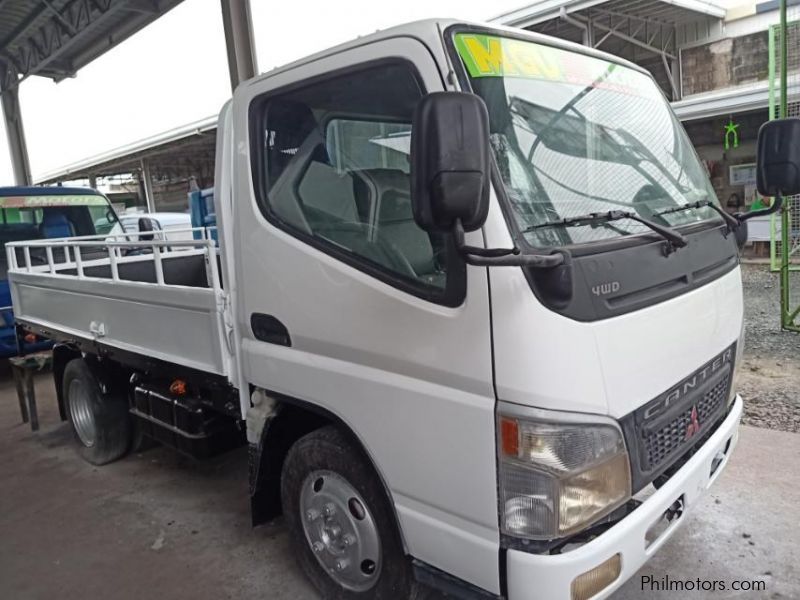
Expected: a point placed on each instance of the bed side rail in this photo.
(71, 257)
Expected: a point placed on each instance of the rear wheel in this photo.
(343, 529)
(100, 422)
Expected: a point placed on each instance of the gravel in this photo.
(769, 378)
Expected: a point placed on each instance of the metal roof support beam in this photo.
(147, 182)
(579, 24)
(9, 97)
(58, 47)
(238, 26)
(23, 28)
(60, 18)
(676, 95)
(624, 15)
(622, 36)
(616, 28)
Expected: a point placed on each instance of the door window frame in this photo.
(454, 292)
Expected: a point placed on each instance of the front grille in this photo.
(661, 444)
(659, 433)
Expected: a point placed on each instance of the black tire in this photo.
(112, 422)
(330, 449)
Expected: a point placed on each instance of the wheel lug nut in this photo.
(329, 509)
(318, 546)
(349, 539)
(341, 565)
(312, 515)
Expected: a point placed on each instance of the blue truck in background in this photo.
(31, 213)
(201, 207)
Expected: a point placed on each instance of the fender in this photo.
(62, 354)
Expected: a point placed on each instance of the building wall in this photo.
(725, 63)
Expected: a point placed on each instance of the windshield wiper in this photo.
(730, 220)
(672, 236)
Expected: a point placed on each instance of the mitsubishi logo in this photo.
(694, 424)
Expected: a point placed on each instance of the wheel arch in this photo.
(290, 420)
(62, 355)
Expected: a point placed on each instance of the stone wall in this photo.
(725, 63)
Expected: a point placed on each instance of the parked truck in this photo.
(475, 311)
(43, 213)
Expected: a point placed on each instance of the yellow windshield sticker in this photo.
(493, 56)
(56, 200)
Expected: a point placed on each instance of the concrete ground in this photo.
(158, 525)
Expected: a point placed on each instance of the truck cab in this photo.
(474, 309)
(513, 412)
(43, 213)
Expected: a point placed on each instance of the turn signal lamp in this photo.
(591, 583)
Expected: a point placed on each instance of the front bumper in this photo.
(532, 576)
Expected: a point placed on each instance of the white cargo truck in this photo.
(475, 310)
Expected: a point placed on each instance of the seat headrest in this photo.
(391, 188)
(290, 122)
(55, 225)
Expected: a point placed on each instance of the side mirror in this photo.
(778, 164)
(145, 225)
(778, 171)
(450, 168)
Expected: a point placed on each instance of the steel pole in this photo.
(15, 133)
(147, 181)
(238, 26)
(786, 221)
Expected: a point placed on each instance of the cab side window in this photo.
(332, 168)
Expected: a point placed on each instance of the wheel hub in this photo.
(340, 530)
(80, 411)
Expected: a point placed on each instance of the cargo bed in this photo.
(157, 298)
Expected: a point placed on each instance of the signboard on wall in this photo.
(744, 174)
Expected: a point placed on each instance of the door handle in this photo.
(267, 328)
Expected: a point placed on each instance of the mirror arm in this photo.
(776, 206)
(730, 220)
(501, 257)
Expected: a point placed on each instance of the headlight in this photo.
(557, 476)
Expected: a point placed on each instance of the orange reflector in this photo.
(592, 582)
(178, 387)
(509, 436)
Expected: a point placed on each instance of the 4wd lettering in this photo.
(604, 289)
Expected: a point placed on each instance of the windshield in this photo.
(25, 218)
(573, 134)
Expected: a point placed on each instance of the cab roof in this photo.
(47, 191)
(429, 31)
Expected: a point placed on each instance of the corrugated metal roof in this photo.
(673, 12)
(727, 101)
(168, 151)
(55, 38)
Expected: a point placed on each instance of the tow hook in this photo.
(675, 510)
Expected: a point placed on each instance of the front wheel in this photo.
(343, 529)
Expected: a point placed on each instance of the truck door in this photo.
(345, 303)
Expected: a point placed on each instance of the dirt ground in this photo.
(156, 525)
(769, 379)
